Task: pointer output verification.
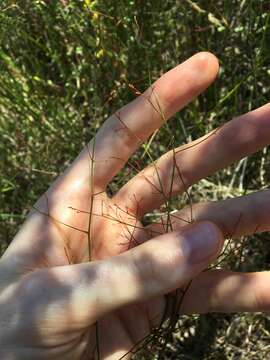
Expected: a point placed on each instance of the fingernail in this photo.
(201, 242)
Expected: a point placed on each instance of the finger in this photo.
(81, 294)
(175, 171)
(227, 291)
(122, 133)
(235, 217)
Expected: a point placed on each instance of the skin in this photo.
(51, 296)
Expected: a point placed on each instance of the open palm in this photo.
(58, 301)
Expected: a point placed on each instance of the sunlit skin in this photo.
(51, 295)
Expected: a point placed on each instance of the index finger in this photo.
(123, 132)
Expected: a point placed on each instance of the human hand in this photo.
(52, 297)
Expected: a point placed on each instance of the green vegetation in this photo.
(66, 65)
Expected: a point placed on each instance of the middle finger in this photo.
(175, 171)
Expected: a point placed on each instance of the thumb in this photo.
(154, 268)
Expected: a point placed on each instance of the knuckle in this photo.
(34, 287)
(159, 267)
(146, 269)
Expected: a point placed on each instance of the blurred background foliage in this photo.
(66, 65)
